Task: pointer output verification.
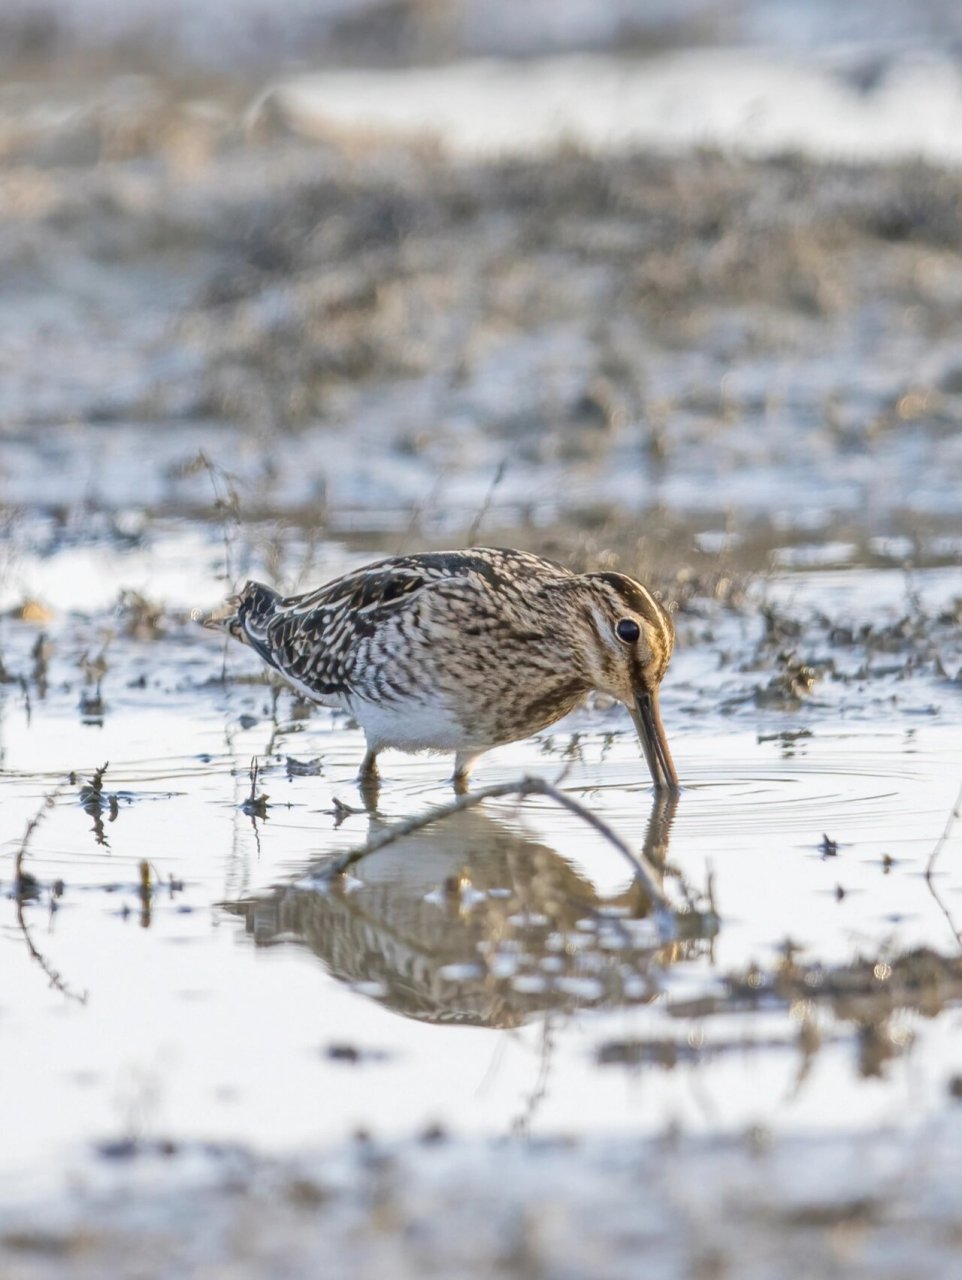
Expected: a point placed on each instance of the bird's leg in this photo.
(463, 763)
(369, 780)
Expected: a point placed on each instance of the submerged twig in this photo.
(943, 838)
(145, 893)
(255, 806)
(19, 884)
(940, 844)
(93, 802)
(645, 873)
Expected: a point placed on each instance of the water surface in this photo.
(496, 970)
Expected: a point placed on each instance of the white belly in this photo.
(409, 726)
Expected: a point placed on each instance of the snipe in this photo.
(465, 650)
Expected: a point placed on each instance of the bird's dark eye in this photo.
(628, 630)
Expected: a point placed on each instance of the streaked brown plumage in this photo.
(465, 650)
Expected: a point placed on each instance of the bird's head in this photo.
(246, 615)
(630, 641)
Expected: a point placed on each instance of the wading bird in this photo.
(465, 650)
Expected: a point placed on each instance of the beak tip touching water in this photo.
(654, 742)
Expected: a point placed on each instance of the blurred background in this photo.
(572, 263)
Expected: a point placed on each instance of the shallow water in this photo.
(493, 973)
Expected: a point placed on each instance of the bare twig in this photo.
(227, 504)
(19, 883)
(418, 510)
(486, 504)
(645, 873)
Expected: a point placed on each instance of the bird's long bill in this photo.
(651, 731)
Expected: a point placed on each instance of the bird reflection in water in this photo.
(471, 921)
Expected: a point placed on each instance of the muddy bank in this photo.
(360, 330)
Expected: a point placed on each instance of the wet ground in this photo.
(232, 353)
